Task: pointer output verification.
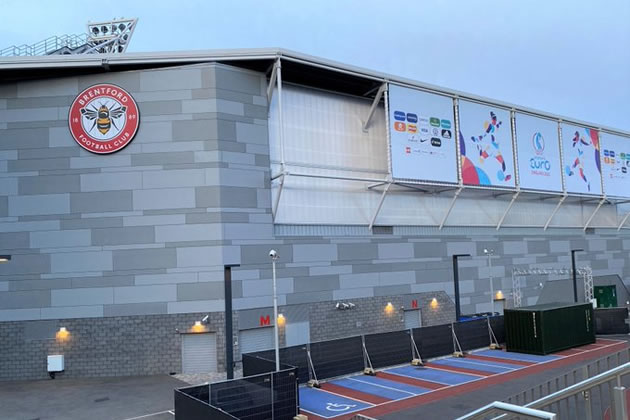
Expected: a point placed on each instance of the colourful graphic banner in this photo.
(581, 160)
(422, 136)
(616, 165)
(539, 166)
(485, 144)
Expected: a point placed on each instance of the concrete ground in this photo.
(117, 398)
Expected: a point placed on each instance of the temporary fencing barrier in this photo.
(272, 395)
(611, 321)
(334, 358)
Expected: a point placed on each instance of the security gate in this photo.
(199, 353)
(256, 339)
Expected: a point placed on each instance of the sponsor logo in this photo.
(424, 121)
(446, 124)
(538, 143)
(412, 118)
(424, 139)
(412, 128)
(424, 130)
(435, 122)
(612, 153)
(399, 116)
(407, 150)
(606, 152)
(446, 134)
(103, 119)
(400, 126)
(436, 131)
(624, 169)
(435, 142)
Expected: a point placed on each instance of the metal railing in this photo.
(591, 392)
(498, 407)
(46, 46)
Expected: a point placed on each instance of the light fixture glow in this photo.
(434, 303)
(62, 334)
(389, 308)
(198, 327)
(499, 295)
(281, 320)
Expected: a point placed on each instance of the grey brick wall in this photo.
(143, 234)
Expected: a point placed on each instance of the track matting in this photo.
(340, 397)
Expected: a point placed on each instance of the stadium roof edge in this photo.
(14, 69)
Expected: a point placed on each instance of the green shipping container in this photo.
(549, 328)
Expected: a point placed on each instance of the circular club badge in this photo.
(103, 118)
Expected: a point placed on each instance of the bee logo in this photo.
(104, 118)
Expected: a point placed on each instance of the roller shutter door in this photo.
(412, 319)
(199, 353)
(256, 339)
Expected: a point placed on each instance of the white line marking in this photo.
(443, 367)
(345, 396)
(383, 386)
(480, 364)
(152, 414)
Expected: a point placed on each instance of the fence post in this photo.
(273, 409)
(619, 398)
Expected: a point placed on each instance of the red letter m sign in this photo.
(414, 304)
(264, 320)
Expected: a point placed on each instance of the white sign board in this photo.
(581, 160)
(537, 144)
(422, 136)
(485, 145)
(616, 165)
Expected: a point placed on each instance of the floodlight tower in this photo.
(110, 37)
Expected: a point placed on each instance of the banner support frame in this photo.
(450, 207)
(377, 99)
(590, 219)
(555, 210)
(509, 207)
(623, 222)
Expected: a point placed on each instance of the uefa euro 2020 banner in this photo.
(581, 160)
(538, 154)
(485, 144)
(616, 165)
(422, 136)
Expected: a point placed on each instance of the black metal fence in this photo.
(272, 395)
(611, 321)
(333, 358)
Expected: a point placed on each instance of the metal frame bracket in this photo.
(450, 207)
(555, 210)
(590, 219)
(377, 99)
(273, 79)
(509, 207)
(623, 221)
(380, 204)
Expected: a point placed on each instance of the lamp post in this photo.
(229, 335)
(458, 310)
(274, 256)
(489, 253)
(573, 251)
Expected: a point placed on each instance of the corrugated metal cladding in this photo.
(323, 135)
(298, 333)
(199, 353)
(256, 339)
(413, 319)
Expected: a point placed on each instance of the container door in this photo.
(199, 353)
(413, 319)
(606, 296)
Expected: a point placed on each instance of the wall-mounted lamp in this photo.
(5, 258)
(205, 319)
(198, 327)
(281, 320)
(434, 303)
(499, 296)
(62, 334)
(389, 308)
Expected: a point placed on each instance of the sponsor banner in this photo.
(581, 160)
(103, 118)
(538, 151)
(422, 144)
(615, 158)
(485, 145)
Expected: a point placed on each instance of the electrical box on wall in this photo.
(55, 363)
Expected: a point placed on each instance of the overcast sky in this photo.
(569, 57)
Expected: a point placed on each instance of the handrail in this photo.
(581, 386)
(508, 408)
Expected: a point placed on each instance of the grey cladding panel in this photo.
(131, 259)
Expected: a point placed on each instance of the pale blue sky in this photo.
(567, 57)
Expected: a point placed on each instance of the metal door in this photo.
(199, 353)
(256, 339)
(413, 319)
(298, 333)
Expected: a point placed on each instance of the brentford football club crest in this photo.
(103, 118)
